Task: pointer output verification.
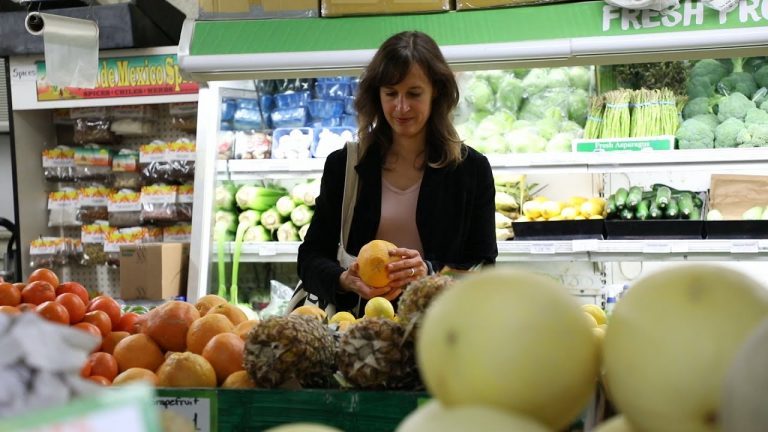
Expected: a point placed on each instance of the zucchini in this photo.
(685, 205)
(672, 211)
(642, 211)
(610, 206)
(621, 198)
(626, 214)
(663, 197)
(654, 211)
(634, 196)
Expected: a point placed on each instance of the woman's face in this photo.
(407, 104)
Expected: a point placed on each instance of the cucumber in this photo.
(642, 211)
(610, 206)
(672, 211)
(697, 201)
(634, 196)
(695, 214)
(654, 211)
(626, 214)
(663, 197)
(685, 205)
(621, 198)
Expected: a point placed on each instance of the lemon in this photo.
(339, 317)
(379, 307)
(569, 213)
(576, 201)
(532, 209)
(597, 313)
(550, 209)
(590, 320)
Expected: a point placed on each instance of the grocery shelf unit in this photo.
(568, 34)
(33, 130)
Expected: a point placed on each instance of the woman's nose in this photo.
(402, 104)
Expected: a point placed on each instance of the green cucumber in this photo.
(654, 212)
(685, 205)
(672, 211)
(610, 206)
(695, 214)
(621, 198)
(642, 211)
(634, 196)
(697, 201)
(663, 197)
(626, 214)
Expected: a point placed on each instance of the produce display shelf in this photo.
(575, 163)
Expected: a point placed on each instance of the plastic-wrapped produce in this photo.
(289, 117)
(248, 115)
(252, 145)
(292, 143)
(328, 140)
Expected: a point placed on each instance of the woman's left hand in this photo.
(408, 269)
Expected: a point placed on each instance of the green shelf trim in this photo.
(516, 24)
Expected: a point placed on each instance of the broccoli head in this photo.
(761, 76)
(710, 69)
(694, 134)
(708, 119)
(734, 105)
(726, 133)
(700, 86)
(764, 106)
(738, 80)
(580, 77)
(756, 116)
(754, 135)
(698, 106)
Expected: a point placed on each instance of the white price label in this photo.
(543, 248)
(762, 244)
(196, 409)
(127, 417)
(585, 245)
(281, 164)
(680, 247)
(744, 246)
(657, 248)
(267, 250)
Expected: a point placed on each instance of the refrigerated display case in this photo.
(572, 34)
(139, 81)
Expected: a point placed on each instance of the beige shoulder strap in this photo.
(350, 193)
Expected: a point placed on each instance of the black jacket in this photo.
(454, 216)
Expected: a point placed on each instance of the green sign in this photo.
(624, 144)
(512, 24)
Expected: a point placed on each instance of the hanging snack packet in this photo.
(152, 163)
(59, 164)
(158, 203)
(63, 207)
(125, 169)
(124, 208)
(93, 204)
(180, 156)
(184, 199)
(93, 237)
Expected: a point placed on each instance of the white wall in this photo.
(6, 178)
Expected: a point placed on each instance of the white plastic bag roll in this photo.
(71, 48)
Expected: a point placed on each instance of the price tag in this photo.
(195, 408)
(657, 248)
(744, 246)
(267, 250)
(680, 247)
(590, 245)
(543, 248)
(280, 164)
(762, 244)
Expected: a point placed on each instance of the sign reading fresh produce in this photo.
(123, 77)
(689, 14)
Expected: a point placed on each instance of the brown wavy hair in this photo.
(389, 66)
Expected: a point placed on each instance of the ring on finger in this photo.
(413, 271)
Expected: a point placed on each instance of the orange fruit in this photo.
(136, 374)
(205, 303)
(244, 327)
(239, 379)
(74, 288)
(373, 259)
(109, 341)
(26, 307)
(99, 379)
(128, 322)
(11, 310)
(74, 306)
(38, 292)
(204, 329)
(186, 369)
(45, 275)
(9, 295)
(138, 350)
(108, 305)
(85, 371)
(235, 315)
(168, 324)
(103, 364)
(225, 353)
(92, 329)
(54, 312)
(101, 320)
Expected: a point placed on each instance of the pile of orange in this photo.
(177, 344)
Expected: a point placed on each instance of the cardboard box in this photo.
(486, 4)
(259, 9)
(152, 271)
(381, 7)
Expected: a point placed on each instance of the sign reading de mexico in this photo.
(123, 77)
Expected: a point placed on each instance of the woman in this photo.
(420, 187)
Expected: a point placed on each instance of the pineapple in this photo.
(294, 347)
(418, 295)
(375, 354)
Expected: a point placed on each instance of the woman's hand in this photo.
(350, 281)
(408, 269)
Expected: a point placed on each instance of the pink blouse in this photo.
(398, 216)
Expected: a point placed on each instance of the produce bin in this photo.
(736, 229)
(559, 230)
(654, 229)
